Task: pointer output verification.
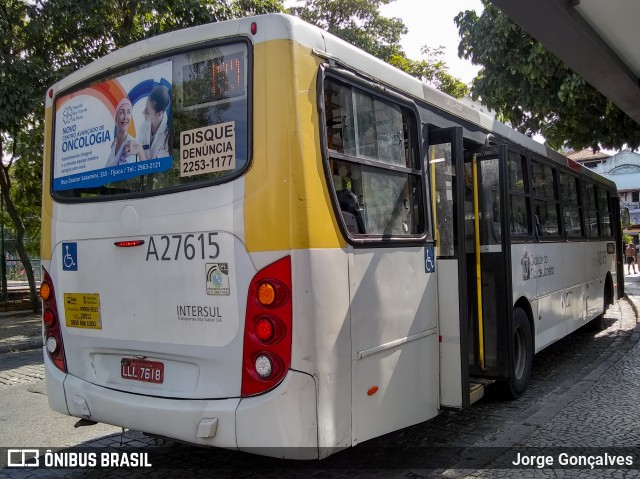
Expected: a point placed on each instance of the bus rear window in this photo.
(170, 124)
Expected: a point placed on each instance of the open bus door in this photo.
(488, 262)
(446, 169)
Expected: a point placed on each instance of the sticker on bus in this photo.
(218, 279)
(429, 259)
(70, 256)
(103, 132)
(82, 310)
(208, 149)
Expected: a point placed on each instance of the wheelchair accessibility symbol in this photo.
(429, 260)
(70, 256)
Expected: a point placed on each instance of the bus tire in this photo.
(522, 355)
(597, 323)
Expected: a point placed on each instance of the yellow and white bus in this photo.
(257, 237)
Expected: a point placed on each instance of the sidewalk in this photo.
(19, 331)
(632, 290)
(634, 277)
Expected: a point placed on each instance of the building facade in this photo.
(623, 169)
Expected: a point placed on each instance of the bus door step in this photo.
(476, 389)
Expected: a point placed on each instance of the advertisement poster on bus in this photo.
(114, 130)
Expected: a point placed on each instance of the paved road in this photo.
(25, 417)
(585, 391)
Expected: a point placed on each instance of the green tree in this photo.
(41, 41)
(534, 91)
(433, 71)
(360, 23)
(23, 77)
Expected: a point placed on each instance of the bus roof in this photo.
(280, 26)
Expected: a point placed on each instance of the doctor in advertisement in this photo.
(153, 140)
(121, 147)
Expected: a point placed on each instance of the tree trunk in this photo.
(5, 187)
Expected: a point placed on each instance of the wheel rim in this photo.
(520, 352)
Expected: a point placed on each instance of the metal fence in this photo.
(16, 272)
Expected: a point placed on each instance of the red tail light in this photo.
(52, 330)
(266, 356)
(264, 329)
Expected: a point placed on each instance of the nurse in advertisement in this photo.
(108, 132)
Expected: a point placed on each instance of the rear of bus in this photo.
(167, 251)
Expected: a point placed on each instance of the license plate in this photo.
(142, 370)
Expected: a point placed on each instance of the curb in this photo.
(19, 313)
(24, 345)
(632, 299)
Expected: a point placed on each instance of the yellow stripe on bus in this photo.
(47, 202)
(287, 204)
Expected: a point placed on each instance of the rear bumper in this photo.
(281, 423)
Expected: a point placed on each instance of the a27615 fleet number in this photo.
(190, 246)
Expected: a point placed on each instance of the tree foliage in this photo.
(41, 41)
(433, 71)
(360, 23)
(534, 91)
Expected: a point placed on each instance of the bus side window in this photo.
(538, 221)
(373, 162)
(546, 202)
(351, 211)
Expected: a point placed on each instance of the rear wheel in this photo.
(597, 324)
(522, 355)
